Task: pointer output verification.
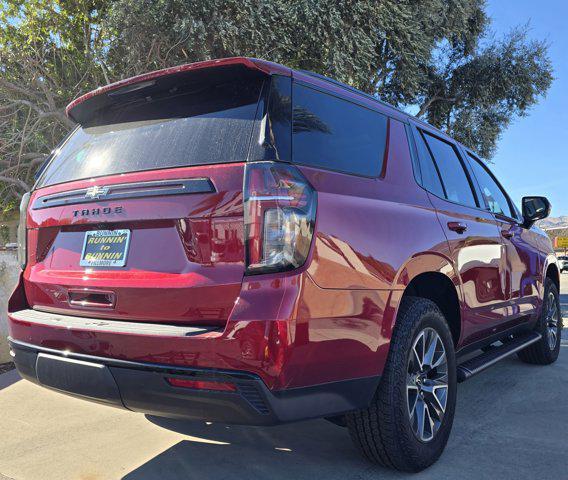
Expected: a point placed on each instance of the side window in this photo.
(492, 193)
(332, 133)
(430, 176)
(452, 171)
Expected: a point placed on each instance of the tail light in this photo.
(201, 384)
(280, 213)
(22, 231)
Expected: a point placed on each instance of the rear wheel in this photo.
(408, 423)
(546, 350)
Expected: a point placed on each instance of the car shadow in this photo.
(9, 378)
(504, 417)
(316, 449)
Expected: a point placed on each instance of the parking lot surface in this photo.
(511, 423)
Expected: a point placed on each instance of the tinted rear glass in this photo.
(211, 124)
(332, 133)
(430, 176)
(452, 171)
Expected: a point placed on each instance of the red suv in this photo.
(236, 241)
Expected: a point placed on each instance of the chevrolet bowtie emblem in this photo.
(96, 192)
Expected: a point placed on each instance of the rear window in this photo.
(336, 134)
(197, 125)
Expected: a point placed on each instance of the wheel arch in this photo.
(553, 273)
(433, 276)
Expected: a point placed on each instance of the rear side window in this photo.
(336, 134)
(209, 123)
(452, 171)
(430, 176)
(495, 198)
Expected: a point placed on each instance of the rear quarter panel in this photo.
(369, 228)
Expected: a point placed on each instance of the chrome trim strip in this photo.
(104, 325)
(126, 190)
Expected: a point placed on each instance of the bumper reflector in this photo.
(201, 384)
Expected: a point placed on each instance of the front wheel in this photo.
(546, 350)
(408, 423)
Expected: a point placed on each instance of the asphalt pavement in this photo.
(511, 423)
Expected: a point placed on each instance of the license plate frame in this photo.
(105, 245)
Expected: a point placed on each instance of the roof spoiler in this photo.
(82, 109)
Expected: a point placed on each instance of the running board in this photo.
(477, 364)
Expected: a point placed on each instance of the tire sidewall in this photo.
(551, 355)
(425, 453)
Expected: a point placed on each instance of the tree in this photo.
(381, 47)
(475, 97)
(432, 56)
(49, 53)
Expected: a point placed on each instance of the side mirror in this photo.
(535, 208)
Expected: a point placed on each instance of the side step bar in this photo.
(477, 364)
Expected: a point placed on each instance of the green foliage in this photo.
(411, 52)
(434, 55)
(50, 51)
(476, 97)
(381, 47)
(4, 234)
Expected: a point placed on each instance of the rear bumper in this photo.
(142, 387)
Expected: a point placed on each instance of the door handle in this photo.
(457, 227)
(507, 233)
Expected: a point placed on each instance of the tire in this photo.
(383, 431)
(541, 353)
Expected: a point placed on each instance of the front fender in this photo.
(549, 260)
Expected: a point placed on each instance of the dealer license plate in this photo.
(105, 248)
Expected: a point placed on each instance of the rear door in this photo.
(139, 215)
(521, 245)
(474, 241)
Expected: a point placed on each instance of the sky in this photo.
(532, 157)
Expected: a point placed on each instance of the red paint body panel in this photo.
(362, 237)
(284, 329)
(329, 320)
(186, 254)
